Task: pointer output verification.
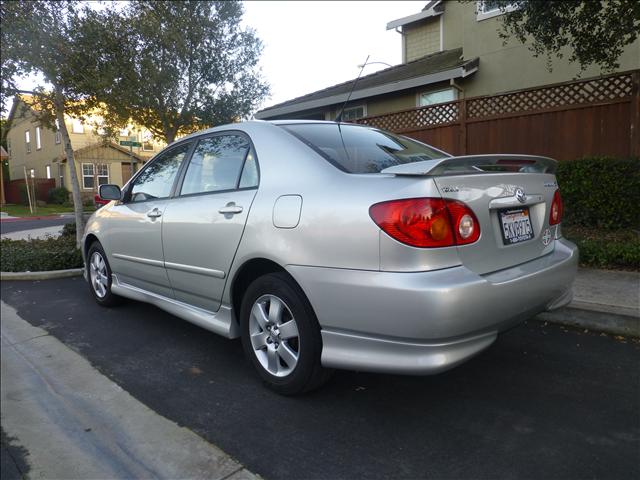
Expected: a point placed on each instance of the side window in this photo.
(156, 180)
(216, 164)
(249, 176)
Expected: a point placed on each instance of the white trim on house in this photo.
(416, 17)
(369, 92)
(485, 15)
(441, 33)
(94, 175)
(363, 106)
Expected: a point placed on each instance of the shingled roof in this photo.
(432, 68)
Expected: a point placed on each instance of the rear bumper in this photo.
(427, 322)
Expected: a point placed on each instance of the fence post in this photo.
(634, 116)
(463, 126)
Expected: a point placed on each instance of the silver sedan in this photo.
(325, 245)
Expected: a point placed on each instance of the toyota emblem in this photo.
(520, 195)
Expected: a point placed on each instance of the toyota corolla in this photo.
(325, 245)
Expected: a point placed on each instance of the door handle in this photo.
(230, 209)
(155, 213)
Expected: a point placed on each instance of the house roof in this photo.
(97, 145)
(432, 9)
(432, 68)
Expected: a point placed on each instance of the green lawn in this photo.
(23, 211)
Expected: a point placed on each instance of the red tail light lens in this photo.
(427, 222)
(555, 215)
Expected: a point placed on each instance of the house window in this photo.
(124, 132)
(438, 96)
(38, 139)
(76, 126)
(61, 174)
(354, 113)
(492, 8)
(147, 146)
(48, 171)
(91, 172)
(58, 134)
(32, 173)
(27, 140)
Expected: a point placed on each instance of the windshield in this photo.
(358, 149)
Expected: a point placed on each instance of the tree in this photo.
(38, 38)
(172, 66)
(595, 32)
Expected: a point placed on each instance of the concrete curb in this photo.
(46, 275)
(601, 319)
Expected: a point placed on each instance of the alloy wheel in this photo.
(98, 274)
(274, 335)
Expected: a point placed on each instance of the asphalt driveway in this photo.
(543, 402)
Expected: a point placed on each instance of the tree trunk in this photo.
(73, 174)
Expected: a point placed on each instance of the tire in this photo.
(99, 276)
(286, 355)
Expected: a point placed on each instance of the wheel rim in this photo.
(98, 274)
(274, 335)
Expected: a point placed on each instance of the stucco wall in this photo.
(512, 66)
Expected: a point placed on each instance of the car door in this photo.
(135, 225)
(203, 224)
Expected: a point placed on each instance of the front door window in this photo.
(157, 179)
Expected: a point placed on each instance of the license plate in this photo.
(516, 225)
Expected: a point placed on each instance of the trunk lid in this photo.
(511, 196)
(492, 194)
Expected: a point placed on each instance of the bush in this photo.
(69, 230)
(53, 253)
(600, 192)
(59, 196)
(606, 249)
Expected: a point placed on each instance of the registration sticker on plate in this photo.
(516, 225)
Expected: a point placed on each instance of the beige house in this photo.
(450, 50)
(39, 150)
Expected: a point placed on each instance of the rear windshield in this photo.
(358, 149)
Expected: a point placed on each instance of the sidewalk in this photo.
(34, 233)
(603, 300)
(75, 423)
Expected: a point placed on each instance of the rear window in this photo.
(357, 149)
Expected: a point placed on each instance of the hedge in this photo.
(601, 192)
(606, 249)
(52, 253)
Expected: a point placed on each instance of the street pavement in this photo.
(545, 401)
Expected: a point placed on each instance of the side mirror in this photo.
(110, 192)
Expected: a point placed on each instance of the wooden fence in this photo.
(597, 116)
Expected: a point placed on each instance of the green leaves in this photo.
(39, 254)
(173, 66)
(601, 192)
(591, 32)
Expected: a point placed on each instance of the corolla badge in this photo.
(520, 195)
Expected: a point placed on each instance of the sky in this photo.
(313, 45)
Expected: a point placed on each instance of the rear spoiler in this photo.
(476, 164)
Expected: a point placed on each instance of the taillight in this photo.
(427, 222)
(555, 215)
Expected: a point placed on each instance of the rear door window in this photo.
(358, 149)
(216, 164)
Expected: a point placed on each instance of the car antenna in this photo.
(339, 116)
